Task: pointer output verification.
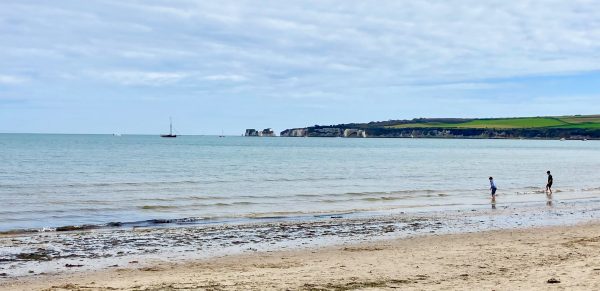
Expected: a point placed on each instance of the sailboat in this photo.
(222, 134)
(170, 130)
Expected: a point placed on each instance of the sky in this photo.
(223, 66)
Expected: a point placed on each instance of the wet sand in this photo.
(35, 254)
(559, 257)
(483, 247)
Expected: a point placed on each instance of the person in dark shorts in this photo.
(549, 184)
(493, 189)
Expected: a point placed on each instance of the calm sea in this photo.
(48, 181)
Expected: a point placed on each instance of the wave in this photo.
(155, 183)
(405, 193)
(331, 201)
(307, 179)
(235, 203)
(373, 199)
(180, 198)
(101, 184)
(166, 207)
(541, 191)
(157, 207)
(181, 221)
(295, 214)
(593, 189)
(47, 211)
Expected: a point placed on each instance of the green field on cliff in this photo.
(572, 122)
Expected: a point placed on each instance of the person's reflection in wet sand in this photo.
(549, 200)
(494, 205)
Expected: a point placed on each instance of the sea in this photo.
(49, 181)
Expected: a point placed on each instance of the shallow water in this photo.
(48, 181)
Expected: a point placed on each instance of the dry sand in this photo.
(495, 260)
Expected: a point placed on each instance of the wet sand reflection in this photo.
(549, 200)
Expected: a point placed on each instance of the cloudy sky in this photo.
(126, 66)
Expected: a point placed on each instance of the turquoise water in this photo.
(48, 181)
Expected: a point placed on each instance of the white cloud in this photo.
(141, 77)
(11, 80)
(291, 47)
(232, 78)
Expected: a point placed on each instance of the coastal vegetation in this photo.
(583, 122)
(546, 127)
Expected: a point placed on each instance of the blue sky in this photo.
(126, 66)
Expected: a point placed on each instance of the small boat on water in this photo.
(170, 130)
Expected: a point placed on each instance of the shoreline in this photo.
(516, 198)
(31, 255)
(496, 259)
(556, 138)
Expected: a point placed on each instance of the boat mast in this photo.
(170, 126)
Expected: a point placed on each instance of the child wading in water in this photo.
(493, 188)
(549, 184)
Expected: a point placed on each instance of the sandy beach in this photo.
(530, 258)
(293, 145)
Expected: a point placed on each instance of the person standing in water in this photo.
(493, 189)
(549, 184)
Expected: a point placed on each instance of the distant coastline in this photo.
(578, 127)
